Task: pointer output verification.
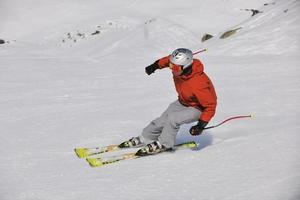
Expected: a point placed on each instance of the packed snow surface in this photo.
(72, 75)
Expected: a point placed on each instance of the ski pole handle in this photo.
(231, 118)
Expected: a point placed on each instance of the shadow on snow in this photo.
(203, 140)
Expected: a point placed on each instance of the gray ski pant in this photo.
(165, 128)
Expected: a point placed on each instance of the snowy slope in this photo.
(61, 86)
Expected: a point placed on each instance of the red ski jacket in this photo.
(195, 89)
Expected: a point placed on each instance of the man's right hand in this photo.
(151, 68)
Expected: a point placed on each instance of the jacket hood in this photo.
(197, 68)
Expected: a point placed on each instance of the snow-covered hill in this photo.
(72, 74)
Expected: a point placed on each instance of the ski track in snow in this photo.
(56, 96)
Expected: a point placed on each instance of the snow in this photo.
(57, 95)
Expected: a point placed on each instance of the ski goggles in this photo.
(176, 69)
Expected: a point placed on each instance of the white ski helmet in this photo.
(182, 57)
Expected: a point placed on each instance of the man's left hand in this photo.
(198, 129)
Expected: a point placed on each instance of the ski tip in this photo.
(94, 162)
(81, 152)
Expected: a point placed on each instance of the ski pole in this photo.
(231, 118)
(200, 51)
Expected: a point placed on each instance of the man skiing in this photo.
(196, 101)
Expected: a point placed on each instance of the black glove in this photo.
(197, 129)
(151, 68)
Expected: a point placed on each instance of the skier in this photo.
(196, 101)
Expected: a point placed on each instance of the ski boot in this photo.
(150, 149)
(133, 142)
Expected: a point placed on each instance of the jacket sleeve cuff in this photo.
(164, 62)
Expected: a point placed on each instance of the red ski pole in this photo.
(231, 118)
(199, 51)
